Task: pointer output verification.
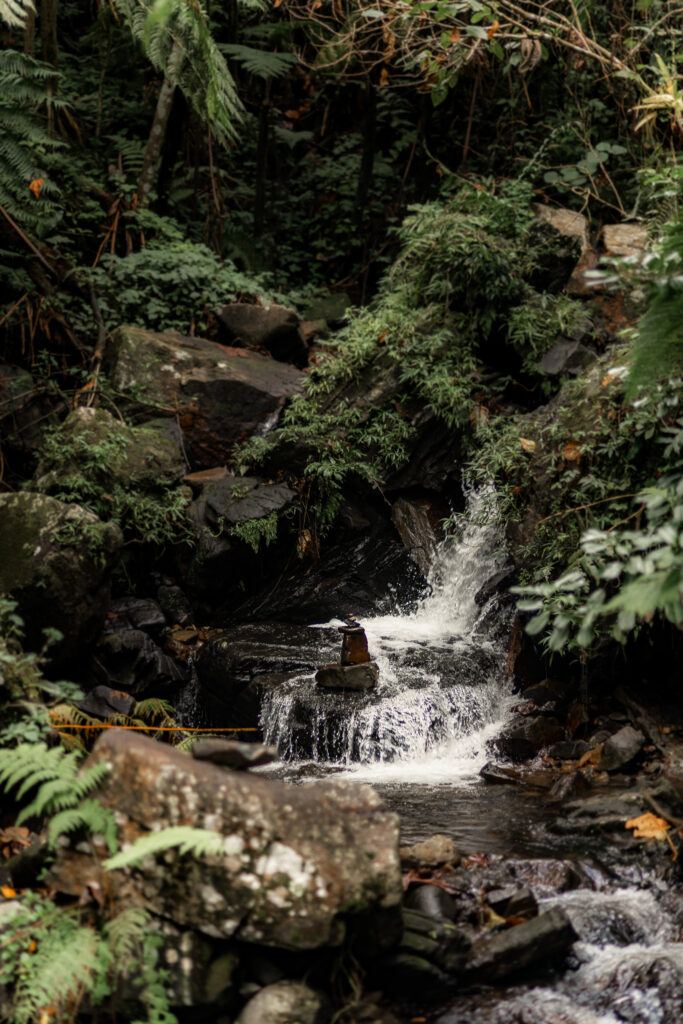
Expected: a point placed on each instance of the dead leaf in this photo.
(36, 186)
(455, 36)
(383, 78)
(8, 892)
(649, 826)
(527, 445)
(493, 29)
(590, 757)
(571, 452)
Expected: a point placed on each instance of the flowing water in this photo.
(421, 737)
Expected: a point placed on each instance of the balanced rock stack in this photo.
(357, 671)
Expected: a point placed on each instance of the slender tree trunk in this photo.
(262, 161)
(157, 134)
(49, 51)
(368, 159)
(30, 33)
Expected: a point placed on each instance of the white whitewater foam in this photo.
(442, 691)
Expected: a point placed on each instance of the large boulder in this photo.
(91, 443)
(56, 561)
(274, 328)
(231, 520)
(300, 863)
(219, 394)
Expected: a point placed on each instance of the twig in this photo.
(28, 241)
(591, 504)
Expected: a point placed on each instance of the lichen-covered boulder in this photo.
(55, 561)
(220, 395)
(92, 442)
(298, 861)
(285, 1002)
(274, 328)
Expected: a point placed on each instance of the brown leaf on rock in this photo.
(648, 826)
(527, 445)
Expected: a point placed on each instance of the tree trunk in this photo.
(262, 162)
(157, 134)
(49, 51)
(368, 159)
(30, 33)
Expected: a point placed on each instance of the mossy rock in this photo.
(55, 561)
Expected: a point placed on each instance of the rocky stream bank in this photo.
(514, 855)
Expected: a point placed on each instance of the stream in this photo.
(420, 739)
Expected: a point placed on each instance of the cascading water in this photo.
(442, 690)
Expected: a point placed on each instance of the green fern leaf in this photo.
(197, 841)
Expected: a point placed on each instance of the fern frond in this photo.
(91, 816)
(261, 63)
(14, 12)
(200, 70)
(57, 974)
(31, 763)
(153, 708)
(200, 842)
(124, 932)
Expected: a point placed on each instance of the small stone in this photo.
(567, 787)
(233, 754)
(569, 750)
(513, 902)
(103, 702)
(620, 749)
(348, 677)
(354, 646)
(433, 901)
(533, 943)
(285, 1002)
(497, 774)
(438, 849)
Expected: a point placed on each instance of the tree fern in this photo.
(200, 842)
(14, 12)
(202, 73)
(262, 63)
(24, 142)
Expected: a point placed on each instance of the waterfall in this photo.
(442, 691)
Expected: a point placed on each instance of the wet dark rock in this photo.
(286, 1002)
(621, 748)
(405, 973)
(348, 677)
(498, 582)
(597, 814)
(524, 738)
(136, 613)
(413, 520)
(432, 852)
(499, 774)
(569, 750)
(235, 668)
(354, 650)
(547, 875)
(513, 902)
(56, 561)
(371, 574)
(547, 691)
(201, 972)
(103, 702)
(175, 605)
(274, 328)
(130, 660)
(440, 941)
(233, 754)
(433, 901)
(218, 559)
(535, 943)
(220, 394)
(566, 357)
(298, 862)
(569, 786)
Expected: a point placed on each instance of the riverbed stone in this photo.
(437, 850)
(348, 677)
(104, 702)
(220, 395)
(524, 738)
(300, 864)
(129, 660)
(621, 748)
(55, 562)
(285, 1002)
(534, 943)
(233, 754)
